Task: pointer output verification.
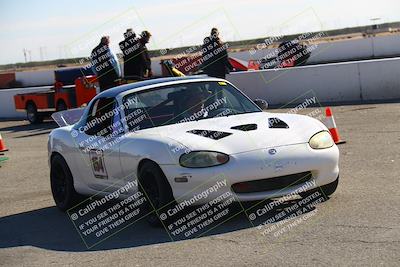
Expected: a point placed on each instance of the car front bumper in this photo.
(255, 165)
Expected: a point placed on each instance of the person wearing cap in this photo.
(215, 56)
(129, 46)
(105, 64)
(142, 62)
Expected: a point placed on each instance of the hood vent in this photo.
(245, 127)
(215, 135)
(275, 123)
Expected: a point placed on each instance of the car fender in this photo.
(60, 141)
(160, 149)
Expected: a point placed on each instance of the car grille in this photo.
(271, 183)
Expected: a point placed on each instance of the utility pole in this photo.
(375, 22)
(24, 50)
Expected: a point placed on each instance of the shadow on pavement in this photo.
(48, 228)
(31, 129)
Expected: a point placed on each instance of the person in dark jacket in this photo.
(215, 56)
(141, 66)
(105, 64)
(129, 47)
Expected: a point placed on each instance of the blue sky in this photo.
(54, 29)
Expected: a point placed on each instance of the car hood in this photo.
(220, 134)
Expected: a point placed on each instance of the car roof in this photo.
(113, 92)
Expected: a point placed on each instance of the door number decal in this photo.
(98, 164)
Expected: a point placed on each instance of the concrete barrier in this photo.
(380, 79)
(359, 81)
(342, 51)
(386, 46)
(328, 83)
(7, 106)
(35, 78)
(346, 50)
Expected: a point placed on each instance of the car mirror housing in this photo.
(261, 103)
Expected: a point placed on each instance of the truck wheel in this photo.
(61, 106)
(62, 185)
(32, 114)
(157, 191)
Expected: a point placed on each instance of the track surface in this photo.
(359, 225)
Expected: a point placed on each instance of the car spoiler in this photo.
(68, 117)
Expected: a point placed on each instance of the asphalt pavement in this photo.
(358, 226)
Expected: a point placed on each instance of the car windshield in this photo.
(184, 103)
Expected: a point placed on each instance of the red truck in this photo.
(73, 88)
(39, 105)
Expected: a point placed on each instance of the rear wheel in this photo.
(61, 106)
(156, 189)
(32, 114)
(62, 185)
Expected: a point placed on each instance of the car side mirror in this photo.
(261, 103)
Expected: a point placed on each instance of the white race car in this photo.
(174, 134)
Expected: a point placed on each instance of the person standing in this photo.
(129, 46)
(141, 58)
(215, 56)
(105, 64)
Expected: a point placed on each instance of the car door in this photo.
(98, 144)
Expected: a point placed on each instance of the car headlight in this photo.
(321, 140)
(202, 159)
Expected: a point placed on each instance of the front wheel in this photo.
(32, 114)
(157, 191)
(61, 106)
(62, 185)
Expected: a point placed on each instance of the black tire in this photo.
(32, 114)
(325, 190)
(61, 106)
(157, 190)
(62, 184)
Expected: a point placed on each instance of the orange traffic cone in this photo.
(2, 145)
(330, 123)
